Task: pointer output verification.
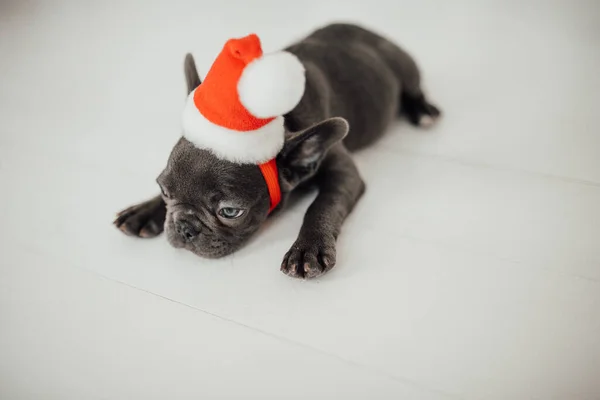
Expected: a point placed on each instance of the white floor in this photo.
(471, 269)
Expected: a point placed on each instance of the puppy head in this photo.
(213, 205)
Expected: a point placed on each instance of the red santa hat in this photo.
(237, 111)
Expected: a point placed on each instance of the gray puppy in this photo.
(357, 82)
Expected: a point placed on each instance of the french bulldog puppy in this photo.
(357, 82)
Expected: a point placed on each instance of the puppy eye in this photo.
(230, 212)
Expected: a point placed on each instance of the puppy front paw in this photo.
(309, 259)
(144, 220)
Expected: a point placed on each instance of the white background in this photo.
(470, 270)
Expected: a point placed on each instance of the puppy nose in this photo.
(185, 229)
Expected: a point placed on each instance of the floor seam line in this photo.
(288, 341)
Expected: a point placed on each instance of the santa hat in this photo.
(237, 111)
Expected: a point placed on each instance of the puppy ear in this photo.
(304, 151)
(191, 73)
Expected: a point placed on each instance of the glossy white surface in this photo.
(470, 270)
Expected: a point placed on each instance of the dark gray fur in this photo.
(357, 83)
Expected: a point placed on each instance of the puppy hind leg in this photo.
(418, 110)
(413, 102)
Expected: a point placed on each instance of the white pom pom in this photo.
(272, 85)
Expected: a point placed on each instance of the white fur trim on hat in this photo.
(272, 85)
(250, 147)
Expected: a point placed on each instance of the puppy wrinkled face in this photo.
(213, 206)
